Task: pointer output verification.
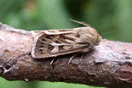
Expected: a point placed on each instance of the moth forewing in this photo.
(36, 38)
(57, 32)
(45, 45)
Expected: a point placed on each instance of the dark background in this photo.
(112, 19)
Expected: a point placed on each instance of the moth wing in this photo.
(35, 42)
(57, 32)
(47, 45)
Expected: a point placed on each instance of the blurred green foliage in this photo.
(40, 84)
(111, 18)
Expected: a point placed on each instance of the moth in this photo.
(56, 42)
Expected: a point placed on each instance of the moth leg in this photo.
(82, 56)
(71, 59)
(52, 61)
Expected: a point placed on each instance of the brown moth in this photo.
(53, 43)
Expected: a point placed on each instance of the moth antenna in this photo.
(83, 23)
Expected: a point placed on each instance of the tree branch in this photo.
(109, 64)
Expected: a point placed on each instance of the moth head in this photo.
(87, 35)
(98, 40)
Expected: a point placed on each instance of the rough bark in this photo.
(109, 64)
